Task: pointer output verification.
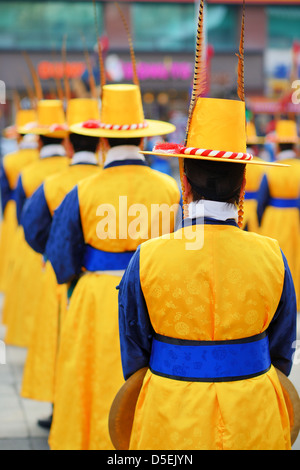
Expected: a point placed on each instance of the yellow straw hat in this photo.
(216, 128)
(82, 110)
(286, 132)
(24, 117)
(51, 120)
(122, 116)
(252, 137)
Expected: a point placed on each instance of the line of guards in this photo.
(60, 279)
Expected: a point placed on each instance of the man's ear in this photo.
(187, 190)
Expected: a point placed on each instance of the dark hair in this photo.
(129, 141)
(50, 140)
(216, 181)
(83, 143)
(286, 146)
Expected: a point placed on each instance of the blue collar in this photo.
(125, 163)
(208, 221)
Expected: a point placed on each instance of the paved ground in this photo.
(18, 416)
(18, 429)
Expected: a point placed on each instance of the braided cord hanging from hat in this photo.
(241, 95)
(241, 56)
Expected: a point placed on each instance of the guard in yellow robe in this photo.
(279, 199)
(199, 314)
(255, 174)
(94, 234)
(10, 168)
(24, 284)
(39, 372)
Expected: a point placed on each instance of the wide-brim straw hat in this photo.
(286, 132)
(252, 137)
(24, 117)
(217, 133)
(51, 120)
(122, 116)
(216, 128)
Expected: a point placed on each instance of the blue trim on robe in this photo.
(36, 220)
(65, 246)
(20, 198)
(7, 193)
(136, 331)
(263, 198)
(207, 221)
(126, 163)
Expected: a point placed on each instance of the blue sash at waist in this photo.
(285, 203)
(98, 260)
(210, 361)
(251, 195)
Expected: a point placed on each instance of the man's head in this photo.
(214, 181)
(82, 143)
(115, 142)
(45, 140)
(282, 147)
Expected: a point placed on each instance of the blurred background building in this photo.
(163, 33)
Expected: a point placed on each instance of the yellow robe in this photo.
(215, 293)
(39, 372)
(283, 224)
(254, 174)
(25, 281)
(13, 164)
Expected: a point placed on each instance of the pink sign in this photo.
(159, 71)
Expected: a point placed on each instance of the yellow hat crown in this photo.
(25, 117)
(82, 110)
(218, 124)
(286, 131)
(252, 137)
(50, 113)
(122, 106)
